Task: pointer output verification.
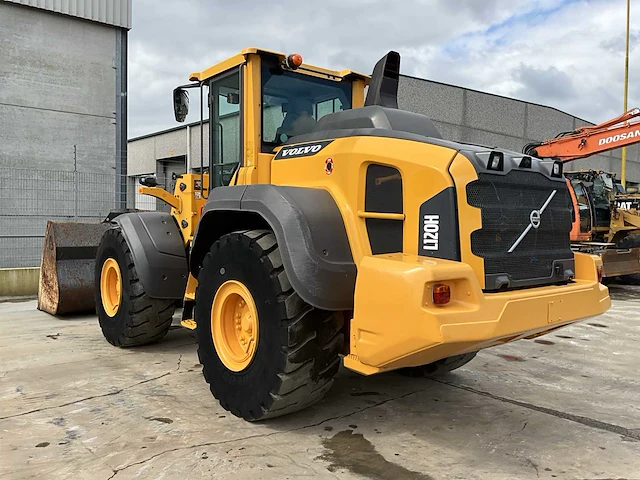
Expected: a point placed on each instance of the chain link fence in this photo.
(28, 198)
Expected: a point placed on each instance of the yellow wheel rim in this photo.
(234, 325)
(111, 286)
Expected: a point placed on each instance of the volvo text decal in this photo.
(302, 150)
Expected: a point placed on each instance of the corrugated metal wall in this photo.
(111, 12)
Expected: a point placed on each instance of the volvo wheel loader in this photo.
(329, 226)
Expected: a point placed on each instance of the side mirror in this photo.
(233, 98)
(148, 180)
(180, 104)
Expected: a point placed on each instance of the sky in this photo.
(568, 54)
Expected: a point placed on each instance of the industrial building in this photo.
(460, 114)
(63, 117)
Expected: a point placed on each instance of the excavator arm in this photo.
(586, 141)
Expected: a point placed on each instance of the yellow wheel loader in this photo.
(328, 226)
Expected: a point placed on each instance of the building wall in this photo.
(57, 110)
(475, 117)
(58, 90)
(145, 152)
(111, 12)
(460, 114)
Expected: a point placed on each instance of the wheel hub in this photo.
(234, 325)
(111, 286)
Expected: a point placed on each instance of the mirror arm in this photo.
(189, 85)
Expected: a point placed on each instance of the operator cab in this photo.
(293, 97)
(293, 102)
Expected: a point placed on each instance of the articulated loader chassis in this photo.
(329, 225)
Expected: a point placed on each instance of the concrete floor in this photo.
(566, 406)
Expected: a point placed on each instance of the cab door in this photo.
(583, 223)
(225, 126)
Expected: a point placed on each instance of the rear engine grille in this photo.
(506, 202)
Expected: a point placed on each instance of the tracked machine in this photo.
(331, 227)
(606, 218)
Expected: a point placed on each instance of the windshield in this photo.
(293, 102)
(599, 192)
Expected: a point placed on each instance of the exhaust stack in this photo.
(383, 88)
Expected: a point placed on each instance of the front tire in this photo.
(295, 351)
(128, 316)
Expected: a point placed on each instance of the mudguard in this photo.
(158, 252)
(309, 230)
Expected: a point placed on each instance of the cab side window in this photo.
(225, 114)
(583, 207)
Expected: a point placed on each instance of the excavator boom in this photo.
(586, 141)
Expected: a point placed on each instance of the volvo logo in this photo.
(534, 221)
(534, 218)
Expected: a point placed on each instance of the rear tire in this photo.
(439, 367)
(298, 346)
(138, 319)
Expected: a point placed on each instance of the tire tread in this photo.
(148, 319)
(310, 350)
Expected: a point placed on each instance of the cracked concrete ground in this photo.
(565, 406)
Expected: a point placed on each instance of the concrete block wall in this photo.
(459, 114)
(475, 117)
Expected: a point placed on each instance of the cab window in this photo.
(293, 102)
(224, 127)
(583, 207)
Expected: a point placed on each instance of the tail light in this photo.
(441, 294)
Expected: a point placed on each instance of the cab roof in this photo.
(240, 58)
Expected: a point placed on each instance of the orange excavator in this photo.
(606, 215)
(586, 141)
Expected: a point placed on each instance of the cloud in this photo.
(549, 83)
(560, 53)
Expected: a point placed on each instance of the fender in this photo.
(309, 230)
(158, 252)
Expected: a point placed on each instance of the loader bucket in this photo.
(67, 268)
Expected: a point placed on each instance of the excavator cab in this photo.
(581, 229)
(595, 191)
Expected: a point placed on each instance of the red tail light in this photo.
(441, 294)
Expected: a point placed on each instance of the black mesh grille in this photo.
(506, 202)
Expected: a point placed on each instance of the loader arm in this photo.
(586, 141)
(162, 194)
